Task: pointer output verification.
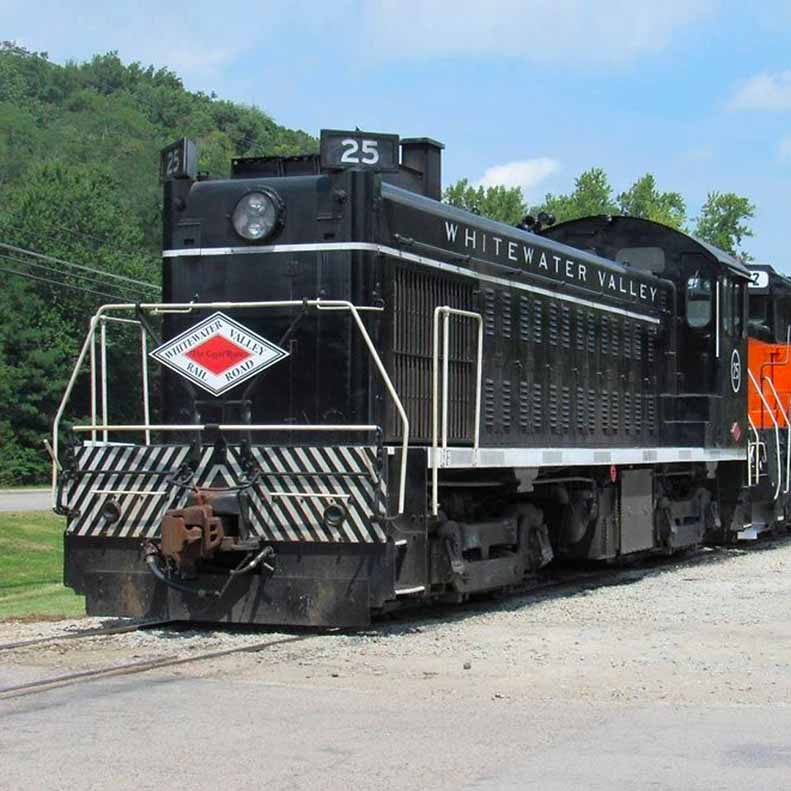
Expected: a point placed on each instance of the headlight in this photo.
(257, 215)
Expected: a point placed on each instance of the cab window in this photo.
(738, 309)
(698, 301)
(727, 305)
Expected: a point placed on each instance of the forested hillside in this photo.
(79, 154)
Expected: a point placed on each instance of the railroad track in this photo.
(557, 582)
(130, 668)
(98, 632)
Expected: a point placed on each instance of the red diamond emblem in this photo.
(217, 354)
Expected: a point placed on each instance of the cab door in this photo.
(731, 355)
(697, 349)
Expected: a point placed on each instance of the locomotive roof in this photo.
(648, 231)
(445, 210)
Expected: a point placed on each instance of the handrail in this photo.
(788, 434)
(103, 358)
(777, 431)
(446, 312)
(756, 446)
(102, 314)
(225, 427)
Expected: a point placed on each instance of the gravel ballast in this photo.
(714, 627)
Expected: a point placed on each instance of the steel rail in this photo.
(130, 668)
(99, 632)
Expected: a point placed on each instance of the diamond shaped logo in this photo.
(218, 353)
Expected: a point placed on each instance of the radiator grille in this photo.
(415, 295)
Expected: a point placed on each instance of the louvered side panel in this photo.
(415, 296)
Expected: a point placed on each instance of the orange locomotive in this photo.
(768, 400)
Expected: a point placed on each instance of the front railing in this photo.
(106, 313)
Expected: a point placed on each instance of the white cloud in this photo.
(196, 43)
(763, 91)
(524, 173)
(784, 150)
(544, 31)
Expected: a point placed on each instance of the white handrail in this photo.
(102, 314)
(144, 374)
(749, 462)
(777, 431)
(103, 357)
(446, 312)
(225, 427)
(788, 434)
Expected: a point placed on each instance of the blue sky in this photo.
(531, 93)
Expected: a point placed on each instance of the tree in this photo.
(79, 149)
(592, 195)
(506, 204)
(723, 221)
(643, 199)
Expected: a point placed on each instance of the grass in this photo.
(31, 567)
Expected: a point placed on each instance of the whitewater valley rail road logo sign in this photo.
(218, 353)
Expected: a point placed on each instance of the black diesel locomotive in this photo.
(369, 397)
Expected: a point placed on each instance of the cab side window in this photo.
(738, 309)
(698, 301)
(727, 305)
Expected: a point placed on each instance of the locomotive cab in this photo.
(704, 398)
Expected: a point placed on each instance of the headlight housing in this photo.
(258, 215)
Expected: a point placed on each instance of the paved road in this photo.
(25, 500)
(158, 732)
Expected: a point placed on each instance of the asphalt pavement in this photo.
(156, 732)
(25, 500)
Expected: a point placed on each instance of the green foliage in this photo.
(723, 221)
(79, 156)
(643, 199)
(505, 204)
(592, 194)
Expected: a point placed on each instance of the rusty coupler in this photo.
(195, 533)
